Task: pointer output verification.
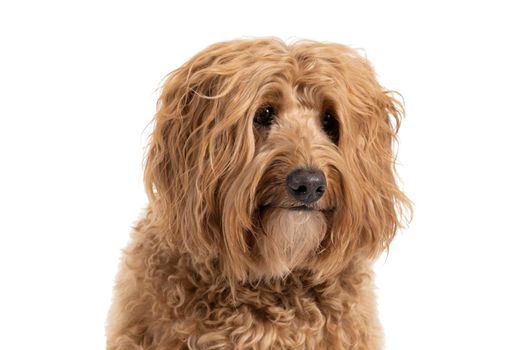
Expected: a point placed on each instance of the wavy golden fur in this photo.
(223, 258)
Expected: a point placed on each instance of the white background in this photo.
(78, 84)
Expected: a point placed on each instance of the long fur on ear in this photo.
(183, 167)
(385, 205)
(376, 117)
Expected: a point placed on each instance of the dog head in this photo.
(271, 157)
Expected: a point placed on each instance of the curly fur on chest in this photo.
(171, 302)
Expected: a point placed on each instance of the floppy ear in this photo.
(378, 205)
(199, 137)
(172, 162)
(384, 204)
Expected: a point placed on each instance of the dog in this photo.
(272, 189)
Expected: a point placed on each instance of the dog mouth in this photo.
(298, 208)
(301, 208)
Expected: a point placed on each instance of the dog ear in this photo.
(200, 137)
(383, 204)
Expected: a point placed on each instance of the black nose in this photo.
(306, 185)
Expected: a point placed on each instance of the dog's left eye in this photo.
(264, 116)
(330, 126)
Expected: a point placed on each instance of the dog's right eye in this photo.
(264, 116)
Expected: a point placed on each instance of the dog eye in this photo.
(330, 126)
(264, 116)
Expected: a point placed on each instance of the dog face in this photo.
(270, 157)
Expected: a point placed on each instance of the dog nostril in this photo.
(320, 189)
(301, 189)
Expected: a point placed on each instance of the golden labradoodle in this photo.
(272, 189)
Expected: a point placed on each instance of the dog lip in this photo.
(298, 208)
(301, 208)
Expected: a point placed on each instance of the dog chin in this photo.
(291, 237)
